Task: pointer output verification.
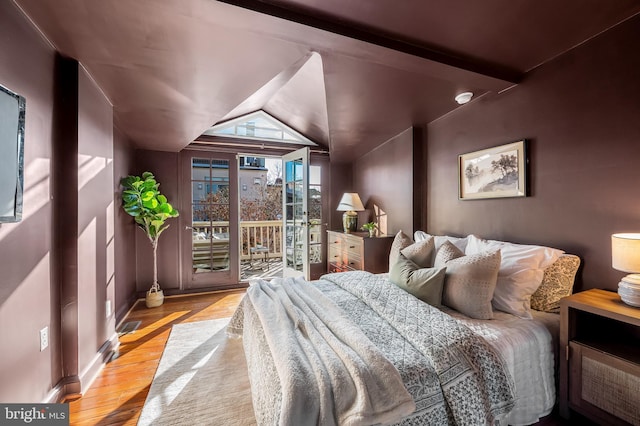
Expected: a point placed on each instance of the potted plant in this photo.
(150, 209)
(371, 227)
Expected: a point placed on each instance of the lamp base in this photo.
(629, 290)
(350, 221)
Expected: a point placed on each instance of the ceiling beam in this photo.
(376, 38)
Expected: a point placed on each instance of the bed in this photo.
(452, 369)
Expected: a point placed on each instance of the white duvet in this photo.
(528, 348)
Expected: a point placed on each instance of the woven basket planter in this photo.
(154, 298)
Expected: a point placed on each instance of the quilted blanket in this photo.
(453, 375)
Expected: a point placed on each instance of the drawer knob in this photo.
(352, 246)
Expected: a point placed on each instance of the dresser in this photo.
(600, 361)
(357, 252)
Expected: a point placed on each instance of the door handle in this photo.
(186, 228)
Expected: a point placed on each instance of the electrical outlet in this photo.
(107, 308)
(44, 338)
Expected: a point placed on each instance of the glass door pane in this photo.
(315, 214)
(295, 223)
(210, 215)
(209, 235)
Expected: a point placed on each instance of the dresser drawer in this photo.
(357, 252)
(354, 264)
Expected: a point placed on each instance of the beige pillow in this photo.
(421, 253)
(400, 241)
(424, 283)
(557, 283)
(447, 251)
(469, 281)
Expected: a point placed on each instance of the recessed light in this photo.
(464, 97)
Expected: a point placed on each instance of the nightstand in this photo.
(357, 252)
(600, 372)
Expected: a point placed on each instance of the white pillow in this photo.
(460, 242)
(521, 272)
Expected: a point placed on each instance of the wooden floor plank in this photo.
(117, 395)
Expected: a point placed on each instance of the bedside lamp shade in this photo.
(350, 203)
(625, 257)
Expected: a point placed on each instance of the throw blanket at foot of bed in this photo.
(329, 372)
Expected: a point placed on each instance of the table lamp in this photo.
(625, 255)
(350, 204)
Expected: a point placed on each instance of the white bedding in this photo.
(528, 348)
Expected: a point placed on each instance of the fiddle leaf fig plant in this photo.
(150, 210)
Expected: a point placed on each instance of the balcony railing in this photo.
(264, 233)
(211, 239)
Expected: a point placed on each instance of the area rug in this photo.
(201, 379)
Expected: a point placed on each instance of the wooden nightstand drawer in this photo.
(600, 375)
(601, 381)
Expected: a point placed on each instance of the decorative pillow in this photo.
(447, 252)
(400, 241)
(521, 271)
(424, 283)
(470, 282)
(421, 253)
(460, 242)
(557, 283)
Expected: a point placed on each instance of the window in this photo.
(258, 125)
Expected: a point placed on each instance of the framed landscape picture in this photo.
(493, 173)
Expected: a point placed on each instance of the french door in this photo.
(295, 221)
(210, 257)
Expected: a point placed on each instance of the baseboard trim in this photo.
(66, 387)
(91, 372)
(72, 387)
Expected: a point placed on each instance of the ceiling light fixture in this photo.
(464, 97)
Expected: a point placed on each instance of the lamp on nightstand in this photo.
(350, 204)
(625, 255)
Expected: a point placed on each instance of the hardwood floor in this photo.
(118, 394)
(116, 397)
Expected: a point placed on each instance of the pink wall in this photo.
(384, 177)
(125, 229)
(96, 232)
(28, 296)
(580, 113)
(58, 265)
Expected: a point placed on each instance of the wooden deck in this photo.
(259, 268)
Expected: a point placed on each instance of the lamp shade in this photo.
(350, 202)
(625, 252)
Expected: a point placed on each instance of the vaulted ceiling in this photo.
(348, 74)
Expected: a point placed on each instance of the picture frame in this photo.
(12, 124)
(497, 172)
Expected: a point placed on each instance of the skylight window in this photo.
(259, 126)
